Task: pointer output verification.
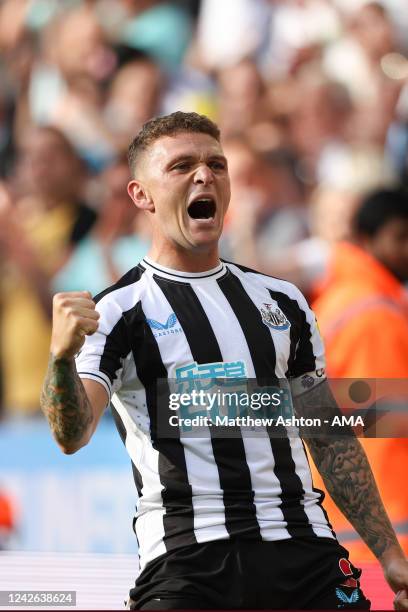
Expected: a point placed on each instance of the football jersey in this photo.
(159, 325)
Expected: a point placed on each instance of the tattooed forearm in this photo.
(65, 403)
(345, 470)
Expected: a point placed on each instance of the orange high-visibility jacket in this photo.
(363, 317)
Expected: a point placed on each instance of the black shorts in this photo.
(304, 573)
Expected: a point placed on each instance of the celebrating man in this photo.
(222, 522)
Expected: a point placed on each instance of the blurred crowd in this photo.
(311, 97)
(312, 100)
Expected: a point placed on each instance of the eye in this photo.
(182, 166)
(217, 165)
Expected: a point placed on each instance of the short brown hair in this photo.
(169, 125)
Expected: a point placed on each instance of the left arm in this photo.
(348, 478)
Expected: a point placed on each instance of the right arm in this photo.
(72, 406)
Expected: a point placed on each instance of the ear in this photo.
(140, 195)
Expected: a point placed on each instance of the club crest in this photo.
(274, 318)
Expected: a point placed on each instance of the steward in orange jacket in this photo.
(363, 317)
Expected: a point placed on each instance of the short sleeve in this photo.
(308, 369)
(102, 355)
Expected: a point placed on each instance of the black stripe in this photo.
(127, 279)
(229, 453)
(263, 356)
(257, 335)
(321, 493)
(292, 311)
(119, 424)
(293, 511)
(137, 477)
(178, 520)
(305, 360)
(117, 345)
(116, 348)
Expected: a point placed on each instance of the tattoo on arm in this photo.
(65, 403)
(345, 470)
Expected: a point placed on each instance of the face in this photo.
(48, 164)
(134, 95)
(390, 247)
(183, 183)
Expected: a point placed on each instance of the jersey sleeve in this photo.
(309, 365)
(102, 355)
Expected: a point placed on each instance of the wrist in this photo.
(392, 554)
(61, 355)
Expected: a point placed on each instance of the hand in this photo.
(396, 574)
(401, 600)
(74, 317)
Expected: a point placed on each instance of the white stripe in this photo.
(266, 486)
(150, 510)
(208, 504)
(225, 325)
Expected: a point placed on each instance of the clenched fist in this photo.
(73, 317)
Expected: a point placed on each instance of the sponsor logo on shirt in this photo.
(274, 318)
(211, 376)
(347, 599)
(219, 369)
(171, 326)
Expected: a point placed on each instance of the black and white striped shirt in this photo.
(155, 321)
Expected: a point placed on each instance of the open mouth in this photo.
(202, 208)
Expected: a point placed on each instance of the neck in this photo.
(185, 260)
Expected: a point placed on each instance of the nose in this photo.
(203, 175)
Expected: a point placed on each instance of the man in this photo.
(37, 232)
(229, 522)
(363, 318)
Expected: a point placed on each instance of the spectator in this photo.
(363, 317)
(266, 214)
(36, 234)
(305, 262)
(240, 89)
(151, 24)
(134, 97)
(355, 59)
(117, 242)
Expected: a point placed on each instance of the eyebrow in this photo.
(187, 157)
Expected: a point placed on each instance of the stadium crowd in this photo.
(312, 100)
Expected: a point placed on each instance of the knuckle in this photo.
(58, 297)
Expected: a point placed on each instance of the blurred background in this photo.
(312, 100)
